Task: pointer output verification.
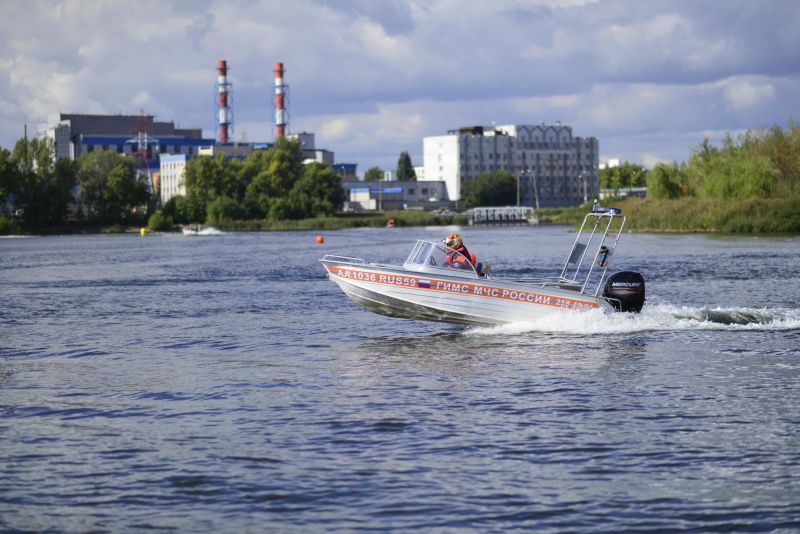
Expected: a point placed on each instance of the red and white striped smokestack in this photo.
(223, 107)
(280, 102)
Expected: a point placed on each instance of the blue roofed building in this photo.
(394, 195)
(140, 136)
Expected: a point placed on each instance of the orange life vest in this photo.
(454, 259)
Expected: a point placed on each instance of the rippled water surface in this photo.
(221, 383)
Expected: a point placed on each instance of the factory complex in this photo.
(553, 167)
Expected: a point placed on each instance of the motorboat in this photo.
(194, 229)
(436, 283)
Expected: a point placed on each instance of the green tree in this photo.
(8, 175)
(405, 170)
(319, 192)
(224, 209)
(495, 189)
(185, 210)
(110, 185)
(158, 222)
(667, 181)
(623, 176)
(373, 174)
(207, 178)
(732, 172)
(42, 188)
(278, 169)
(782, 149)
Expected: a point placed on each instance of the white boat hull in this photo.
(398, 293)
(437, 283)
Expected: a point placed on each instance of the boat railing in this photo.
(536, 281)
(343, 259)
(592, 250)
(551, 282)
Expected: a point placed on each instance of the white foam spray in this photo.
(655, 318)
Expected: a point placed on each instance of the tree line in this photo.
(272, 184)
(39, 192)
(762, 163)
(105, 188)
(625, 176)
(405, 170)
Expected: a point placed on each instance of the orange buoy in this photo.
(320, 239)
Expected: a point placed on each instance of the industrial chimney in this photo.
(281, 112)
(224, 104)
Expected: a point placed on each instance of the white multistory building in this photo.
(553, 167)
(172, 178)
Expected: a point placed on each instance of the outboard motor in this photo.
(626, 291)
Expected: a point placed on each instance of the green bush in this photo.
(5, 226)
(159, 222)
(748, 216)
(224, 209)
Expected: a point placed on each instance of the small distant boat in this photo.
(194, 229)
(437, 283)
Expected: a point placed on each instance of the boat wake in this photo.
(656, 318)
(206, 231)
(210, 231)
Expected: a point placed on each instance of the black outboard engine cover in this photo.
(627, 287)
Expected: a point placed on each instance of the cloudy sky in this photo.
(371, 78)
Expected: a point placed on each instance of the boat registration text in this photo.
(460, 287)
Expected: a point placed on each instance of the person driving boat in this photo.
(456, 244)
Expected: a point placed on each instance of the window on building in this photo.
(89, 148)
(191, 150)
(410, 190)
(424, 191)
(176, 149)
(120, 149)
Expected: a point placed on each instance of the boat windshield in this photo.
(429, 256)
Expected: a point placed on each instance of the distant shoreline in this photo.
(689, 215)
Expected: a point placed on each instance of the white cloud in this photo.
(742, 94)
(337, 129)
(372, 78)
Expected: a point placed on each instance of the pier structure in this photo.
(509, 215)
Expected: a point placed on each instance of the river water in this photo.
(219, 383)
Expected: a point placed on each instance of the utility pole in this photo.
(583, 179)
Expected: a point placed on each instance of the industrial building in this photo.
(164, 150)
(394, 195)
(553, 167)
(76, 134)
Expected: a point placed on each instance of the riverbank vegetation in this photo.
(691, 214)
(751, 184)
